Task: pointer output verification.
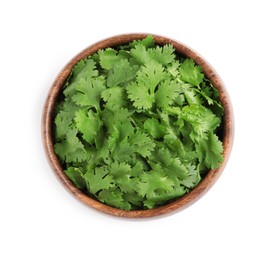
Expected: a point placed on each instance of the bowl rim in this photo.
(186, 200)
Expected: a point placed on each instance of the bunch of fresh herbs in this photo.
(137, 126)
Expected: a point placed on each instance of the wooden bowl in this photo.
(184, 201)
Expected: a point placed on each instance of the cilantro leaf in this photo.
(191, 73)
(108, 58)
(142, 143)
(163, 55)
(202, 119)
(122, 173)
(89, 92)
(140, 54)
(152, 182)
(84, 69)
(71, 148)
(154, 128)
(167, 92)
(115, 97)
(121, 72)
(98, 180)
(148, 41)
(88, 123)
(62, 123)
(210, 151)
(114, 197)
(76, 176)
(142, 91)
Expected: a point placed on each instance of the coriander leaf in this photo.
(98, 180)
(119, 118)
(115, 97)
(121, 72)
(163, 156)
(193, 177)
(62, 124)
(210, 151)
(202, 119)
(142, 143)
(154, 181)
(140, 96)
(71, 148)
(108, 58)
(84, 69)
(142, 92)
(122, 173)
(114, 198)
(157, 199)
(76, 176)
(163, 55)
(68, 108)
(191, 94)
(173, 68)
(124, 151)
(151, 74)
(154, 128)
(167, 91)
(88, 123)
(140, 54)
(134, 199)
(191, 73)
(89, 92)
(147, 42)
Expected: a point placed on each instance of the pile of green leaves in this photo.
(136, 126)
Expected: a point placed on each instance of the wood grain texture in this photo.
(181, 203)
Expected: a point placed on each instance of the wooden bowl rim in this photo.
(187, 199)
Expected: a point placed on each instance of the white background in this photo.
(236, 219)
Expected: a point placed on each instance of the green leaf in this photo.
(191, 73)
(124, 151)
(121, 72)
(140, 96)
(114, 198)
(88, 123)
(142, 91)
(201, 119)
(154, 181)
(167, 92)
(115, 97)
(173, 68)
(62, 125)
(158, 199)
(154, 128)
(90, 91)
(71, 148)
(142, 143)
(151, 74)
(108, 58)
(192, 94)
(84, 69)
(147, 42)
(122, 173)
(210, 151)
(163, 55)
(193, 177)
(140, 54)
(98, 180)
(76, 176)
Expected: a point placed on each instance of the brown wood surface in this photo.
(181, 203)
